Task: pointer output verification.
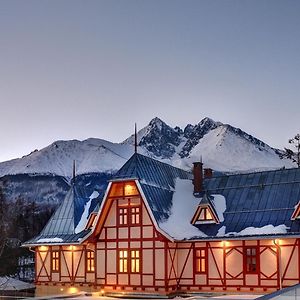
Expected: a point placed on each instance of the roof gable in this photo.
(157, 180)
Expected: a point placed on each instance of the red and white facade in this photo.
(127, 252)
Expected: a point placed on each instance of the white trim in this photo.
(50, 244)
(146, 204)
(151, 214)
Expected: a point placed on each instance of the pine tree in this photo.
(3, 225)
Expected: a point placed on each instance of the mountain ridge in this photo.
(222, 146)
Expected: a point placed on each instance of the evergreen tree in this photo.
(3, 223)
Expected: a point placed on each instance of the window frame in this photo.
(123, 258)
(55, 261)
(131, 260)
(251, 257)
(136, 215)
(90, 261)
(198, 259)
(205, 209)
(136, 259)
(121, 215)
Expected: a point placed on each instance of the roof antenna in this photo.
(74, 171)
(135, 138)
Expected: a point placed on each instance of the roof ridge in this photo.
(241, 173)
(160, 162)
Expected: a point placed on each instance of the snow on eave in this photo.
(85, 215)
(98, 213)
(50, 244)
(184, 205)
(241, 238)
(123, 179)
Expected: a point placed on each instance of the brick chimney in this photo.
(208, 173)
(198, 177)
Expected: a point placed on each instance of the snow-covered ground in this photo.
(211, 297)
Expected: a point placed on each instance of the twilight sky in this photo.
(80, 69)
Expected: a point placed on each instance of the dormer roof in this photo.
(206, 212)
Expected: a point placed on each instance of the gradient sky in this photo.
(80, 69)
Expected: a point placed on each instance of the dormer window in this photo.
(296, 213)
(205, 213)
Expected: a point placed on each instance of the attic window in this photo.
(121, 189)
(296, 213)
(205, 215)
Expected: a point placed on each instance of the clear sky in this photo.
(80, 69)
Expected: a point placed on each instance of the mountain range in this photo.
(221, 147)
(33, 186)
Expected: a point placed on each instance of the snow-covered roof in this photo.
(67, 224)
(12, 284)
(247, 205)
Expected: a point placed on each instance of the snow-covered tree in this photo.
(294, 155)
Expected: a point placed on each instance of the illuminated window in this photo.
(123, 261)
(205, 214)
(251, 260)
(129, 261)
(129, 215)
(130, 189)
(123, 189)
(135, 261)
(90, 261)
(55, 261)
(135, 215)
(123, 217)
(200, 260)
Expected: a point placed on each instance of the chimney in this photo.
(208, 173)
(198, 177)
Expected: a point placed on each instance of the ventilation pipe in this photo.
(208, 173)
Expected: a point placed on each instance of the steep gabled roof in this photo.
(66, 224)
(157, 180)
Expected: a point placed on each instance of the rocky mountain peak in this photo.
(160, 139)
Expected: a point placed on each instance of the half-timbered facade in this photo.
(161, 230)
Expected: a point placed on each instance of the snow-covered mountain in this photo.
(221, 146)
(91, 155)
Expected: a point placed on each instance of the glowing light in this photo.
(102, 292)
(61, 289)
(277, 242)
(73, 290)
(225, 244)
(43, 248)
(72, 248)
(130, 189)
